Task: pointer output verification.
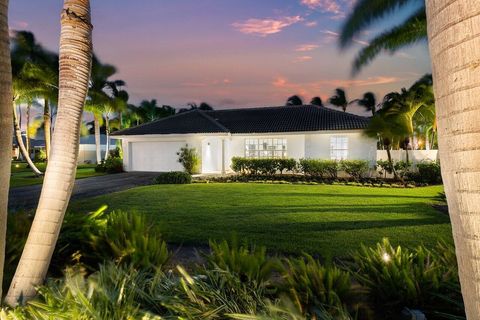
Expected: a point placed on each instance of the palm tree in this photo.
(40, 67)
(369, 102)
(5, 129)
(367, 12)
(117, 103)
(339, 99)
(453, 40)
(425, 124)
(294, 101)
(150, 111)
(316, 101)
(75, 62)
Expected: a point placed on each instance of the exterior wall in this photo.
(87, 153)
(360, 147)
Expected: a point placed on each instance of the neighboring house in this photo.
(270, 132)
(86, 150)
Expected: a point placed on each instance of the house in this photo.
(270, 132)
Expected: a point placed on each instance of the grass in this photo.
(330, 220)
(23, 176)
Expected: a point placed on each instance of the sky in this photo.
(229, 53)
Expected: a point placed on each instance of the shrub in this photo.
(357, 169)
(40, 155)
(262, 166)
(111, 165)
(319, 168)
(128, 239)
(397, 277)
(385, 167)
(250, 263)
(429, 172)
(313, 286)
(402, 168)
(189, 159)
(175, 177)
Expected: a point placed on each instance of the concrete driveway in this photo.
(27, 197)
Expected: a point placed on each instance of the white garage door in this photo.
(156, 156)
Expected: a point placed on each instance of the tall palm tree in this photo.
(294, 101)
(453, 39)
(425, 124)
(316, 101)
(368, 12)
(5, 128)
(339, 99)
(150, 111)
(75, 62)
(369, 102)
(40, 67)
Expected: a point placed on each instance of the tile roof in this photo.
(252, 120)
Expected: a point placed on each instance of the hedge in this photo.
(263, 166)
(174, 177)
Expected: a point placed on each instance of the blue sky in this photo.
(230, 53)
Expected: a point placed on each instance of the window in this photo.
(338, 148)
(265, 148)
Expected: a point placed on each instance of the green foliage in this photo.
(263, 166)
(128, 239)
(40, 155)
(402, 168)
(319, 168)
(175, 177)
(357, 169)
(249, 263)
(385, 167)
(189, 159)
(399, 277)
(313, 286)
(429, 172)
(111, 165)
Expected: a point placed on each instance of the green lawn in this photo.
(319, 219)
(22, 175)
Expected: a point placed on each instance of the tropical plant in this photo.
(150, 111)
(193, 106)
(189, 159)
(316, 101)
(5, 130)
(294, 101)
(339, 99)
(369, 102)
(365, 13)
(75, 62)
(313, 286)
(250, 263)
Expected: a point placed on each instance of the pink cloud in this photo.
(265, 27)
(302, 59)
(19, 24)
(311, 24)
(331, 6)
(306, 47)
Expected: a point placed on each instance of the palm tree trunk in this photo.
(454, 33)
(47, 127)
(96, 127)
(21, 145)
(427, 140)
(75, 63)
(27, 138)
(5, 128)
(107, 133)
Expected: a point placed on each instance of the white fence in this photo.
(414, 156)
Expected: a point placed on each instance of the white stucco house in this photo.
(269, 132)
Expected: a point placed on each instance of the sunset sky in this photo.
(229, 53)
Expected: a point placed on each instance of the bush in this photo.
(174, 177)
(397, 277)
(313, 286)
(263, 166)
(357, 169)
(249, 263)
(429, 172)
(319, 168)
(111, 165)
(385, 167)
(189, 159)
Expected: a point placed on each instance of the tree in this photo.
(193, 106)
(369, 102)
(453, 39)
(294, 101)
(339, 99)
(316, 101)
(6, 120)
(75, 62)
(367, 12)
(39, 69)
(150, 111)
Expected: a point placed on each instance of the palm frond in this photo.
(367, 12)
(414, 29)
